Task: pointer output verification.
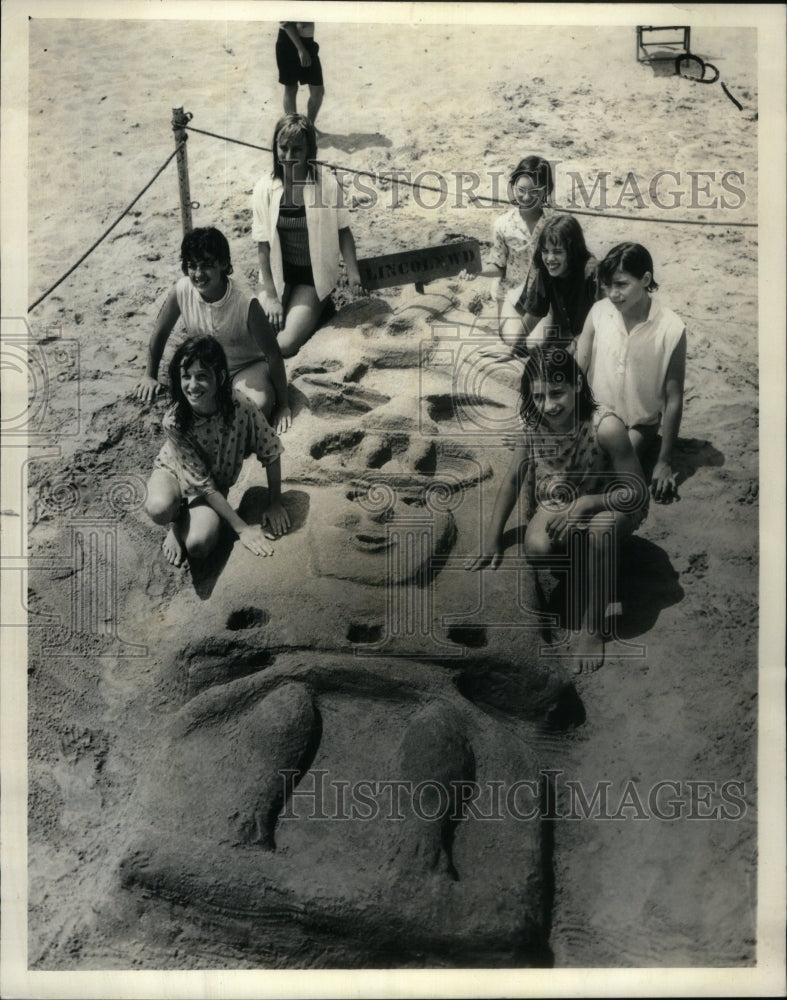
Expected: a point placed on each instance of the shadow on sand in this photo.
(647, 584)
(701, 69)
(692, 454)
(206, 572)
(353, 142)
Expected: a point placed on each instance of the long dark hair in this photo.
(298, 125)
(630, 257)
(210, 354)
(553, 364)
(565, 231)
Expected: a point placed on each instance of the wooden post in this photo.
(179, 121)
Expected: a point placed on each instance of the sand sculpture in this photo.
(318, 781)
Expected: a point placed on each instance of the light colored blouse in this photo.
(628, 370)
(227, 320)
(512, 249)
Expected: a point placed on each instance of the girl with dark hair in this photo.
(633, 350)
(632, 258)
(301, 226)
(587, 479)
(564, 289)
(211, 302)
(209, 434)
(514, 234)
(552, 365)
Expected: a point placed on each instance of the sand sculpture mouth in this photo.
(371, 543)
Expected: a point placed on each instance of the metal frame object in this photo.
(669, 44)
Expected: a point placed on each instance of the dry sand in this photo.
(629, 894)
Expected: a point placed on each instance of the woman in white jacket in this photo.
(301, 226)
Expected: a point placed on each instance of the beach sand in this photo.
(675, 702)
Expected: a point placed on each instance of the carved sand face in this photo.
(385, 533)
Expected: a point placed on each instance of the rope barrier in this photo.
(664, 222)
(374, 175)
(104, 235)
(226, 138)
(737, 103)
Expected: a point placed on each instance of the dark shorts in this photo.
(290, 70)
(295, 274)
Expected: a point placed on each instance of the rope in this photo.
(682, 64)
(378, 177)
(104, 235)
(665, 222)
(492, 201)
(226, 138)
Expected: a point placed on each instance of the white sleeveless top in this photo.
(227, 320)
(628, 370)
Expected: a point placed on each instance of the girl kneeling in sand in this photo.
(634, 352)
(212, 303)
(300, 226)
(208, 436)
(562, 294)
(587, 479)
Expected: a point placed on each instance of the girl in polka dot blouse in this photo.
(209, 434)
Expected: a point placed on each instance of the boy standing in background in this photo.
(297, 56)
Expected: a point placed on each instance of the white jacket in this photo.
(325, 216)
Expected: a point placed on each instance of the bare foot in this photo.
(172, 547)
(587, 651)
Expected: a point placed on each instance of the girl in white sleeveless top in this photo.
(633, 351)
(212, 303)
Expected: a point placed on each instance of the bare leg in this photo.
(602, 539)
(254, 384)
(543, 334)
(303, 311)
(202, 531)
(642, 438)
(164, 506)
(512, 329)
(316, 95)
(538, 545)
(173, 546)
(541, 552)
(499, 303)
(291, 99)
(164, 498)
